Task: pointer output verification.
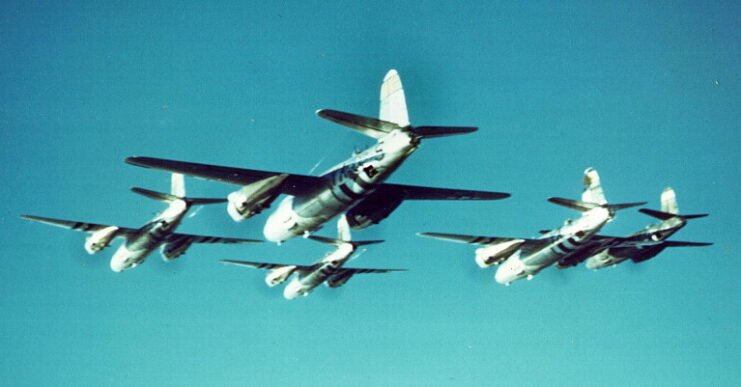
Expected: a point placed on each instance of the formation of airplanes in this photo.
(355, 192)
(140, 242)
(578, 239)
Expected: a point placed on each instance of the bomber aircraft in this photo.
(329, 270)
(355, 186)
(160, 231)
(651, 240)
(523, 258)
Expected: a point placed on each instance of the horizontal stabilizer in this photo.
(667, 215)
(337, 242)
(475, 239)
(205, 200)
(368, 126)
(163, 197)
(441, 131)
(586, 206)
(622, 206)
(261, 265)
(574, 204)
(167, 198)
(683, 244)
(694, 216)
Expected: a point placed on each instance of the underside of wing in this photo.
(80, 226)
(292, 185)
(262, 265)
(210, 239)
(411, 192)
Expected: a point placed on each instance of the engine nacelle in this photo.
(493, 255)
(372, 210)
(279, 275)
(176, 248)
(339, 279)
(251, 199)
(100, 239)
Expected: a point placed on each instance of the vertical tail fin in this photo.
(592, 188)
(393, 103)
(343, 229)
(669, 201)
(177, 186)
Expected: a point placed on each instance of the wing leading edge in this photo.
(301, 184)
(80, 226)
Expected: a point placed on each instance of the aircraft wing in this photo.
(209, 239)
(301, 184)
(263, 265)
(411, 192)
(481, 240)
(121, 232)
(359, 271)
(292, 185)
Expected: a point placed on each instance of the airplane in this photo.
(651, 240)
(160, 231)
(355, 186)
(329, 270)
(523, 258)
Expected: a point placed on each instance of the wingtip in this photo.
(135, 160)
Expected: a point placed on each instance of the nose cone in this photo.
(511, 270)
(275, 232)
(117, 266)
(592, 263)
(292, 290)
(598, 261)
(118, 261)
(502, 276)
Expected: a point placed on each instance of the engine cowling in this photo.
(279, 275)
(176, 248)
(373, 210)
(100, 239)
(339, 279)
(494, 254)
(251, 199)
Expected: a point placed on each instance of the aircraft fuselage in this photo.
(150, 236)
(346, 185)
(304, 283)
(566, 241)
(654, 233)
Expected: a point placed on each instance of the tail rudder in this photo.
(393, 104)
(592, 188)
(669, 201)
(177, 185)
(343, 229)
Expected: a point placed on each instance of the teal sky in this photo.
(648, 94)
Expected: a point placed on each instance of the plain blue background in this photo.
(646, 93)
